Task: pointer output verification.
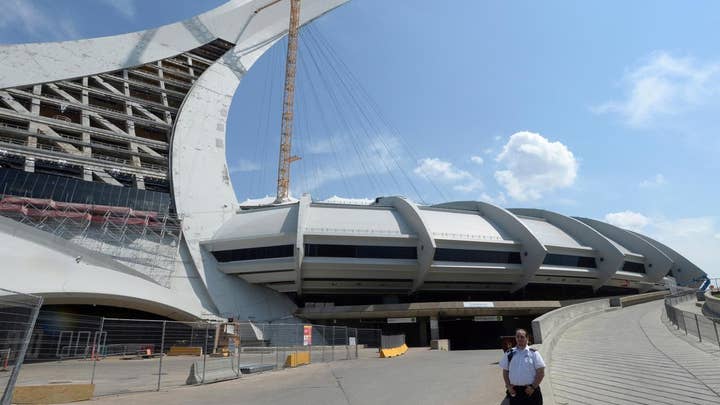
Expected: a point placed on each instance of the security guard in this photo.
(523, 370)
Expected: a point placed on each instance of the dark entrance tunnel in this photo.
(465, 333)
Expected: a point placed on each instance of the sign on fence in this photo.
(307, 335)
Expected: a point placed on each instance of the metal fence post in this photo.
(97, 349)
(9, 388)
(262, 348)
(205, 353)
(324, 344)
(162, 351)
(332, 357)
(684, 323)
(697, 325)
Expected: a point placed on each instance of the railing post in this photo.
(162, 351)
(97, 348)
(697, 325)
(717, 339)
(332, 357)
(684, 322)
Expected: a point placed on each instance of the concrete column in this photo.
(33, 127)
(87, 174)
(140, 182)
(163, 95)
(30, 164)
(434, 328)
(86, 150)
(129, 123)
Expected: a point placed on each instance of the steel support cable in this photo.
(364, 112)
(335, 102)
(376, 109)
(377, 130)
(308, 138)
(324, 120)
(358, 90)
(299, 136)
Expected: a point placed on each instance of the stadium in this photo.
(116, 198)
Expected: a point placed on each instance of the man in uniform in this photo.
(523, 370)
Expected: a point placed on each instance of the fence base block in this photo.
(393, 352)
(297, 359)
(185, 351)
(52, 393)
(440, 344)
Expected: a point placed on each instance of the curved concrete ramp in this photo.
(629, 356)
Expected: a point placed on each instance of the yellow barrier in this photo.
(185, 351)
(52, 393)
(393, 352)
(297, 359)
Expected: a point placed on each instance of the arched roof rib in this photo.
(426, 243)
(533, 252)
(684, 271)
(657, 263)
(609, 258)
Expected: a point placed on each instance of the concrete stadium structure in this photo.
(115, 191)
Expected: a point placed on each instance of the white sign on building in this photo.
(478, 304)
(402, 320)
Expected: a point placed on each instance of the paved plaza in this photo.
(419, 377)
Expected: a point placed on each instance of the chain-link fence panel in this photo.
(18, 313)
(131, 355)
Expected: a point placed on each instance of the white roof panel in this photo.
(549, 234)
(356, 220)
(260, 222)
(462, 225)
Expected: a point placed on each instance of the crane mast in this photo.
(286, 157)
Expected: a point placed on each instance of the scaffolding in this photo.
(146, 241)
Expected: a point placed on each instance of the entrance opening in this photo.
(466, 333)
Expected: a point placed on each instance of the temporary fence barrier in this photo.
(18, 313)
(130, 355)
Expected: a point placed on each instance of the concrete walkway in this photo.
(628, 356)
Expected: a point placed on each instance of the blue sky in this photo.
(601, 109)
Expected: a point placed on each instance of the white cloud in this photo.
(497, 137)
(437, 169)
(664, 86)
(633, 221)
(654, 182)
(533, 165)
(477, 159)
(470, 186)
(488, 151)
(500, 199)
(126, 8)
(35, 22)
(717, 236)
(243, 165)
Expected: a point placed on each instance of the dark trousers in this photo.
(521, 398)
